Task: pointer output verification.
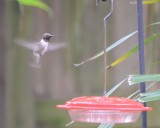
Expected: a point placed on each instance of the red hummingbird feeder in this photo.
(101, 109)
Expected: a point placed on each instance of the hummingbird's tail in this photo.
(36, 61)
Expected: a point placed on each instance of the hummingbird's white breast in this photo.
(41, 47)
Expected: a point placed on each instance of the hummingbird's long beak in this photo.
(53, 35)
(50, 36)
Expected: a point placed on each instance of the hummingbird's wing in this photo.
(26, 44)
(32, 46)
(56, 46)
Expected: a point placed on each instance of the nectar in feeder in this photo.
(101, 109)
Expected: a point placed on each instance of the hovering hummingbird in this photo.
(40, 48)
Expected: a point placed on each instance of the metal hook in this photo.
(105, 43)
(111, 11)
(105, 46)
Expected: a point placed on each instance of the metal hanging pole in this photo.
(105, 60)
(105, 46)
(141, 55)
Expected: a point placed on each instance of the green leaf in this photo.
(122, 40)
(147, 2)
(134, 79)
(115, 87)
(36, 3)
(149, 93)
(138, 91)
(150, 1)
(106, 125)
(132, 51)
(108, 49)
(148, 97)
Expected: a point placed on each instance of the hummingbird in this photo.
(40, 48)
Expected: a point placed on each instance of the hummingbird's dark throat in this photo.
(47, 38)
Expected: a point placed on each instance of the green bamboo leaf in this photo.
(117, 43)
(106, 125)
(147, 2)
(134, 79)
(115, 87)
(132, 51)
(122, 58)
(108, 49)
(150, 1)
(150, 98)
(36, 3)
(149, 93)
(138, 91)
